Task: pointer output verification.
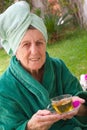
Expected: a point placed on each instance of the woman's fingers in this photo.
(43, 120)
(76, 98)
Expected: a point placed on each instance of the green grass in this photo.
(72, 50)
(4, 61)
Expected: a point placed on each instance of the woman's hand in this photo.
(43, 120)
(76, 98)
(83, 109)
(76, 111)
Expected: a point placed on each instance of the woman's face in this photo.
(32, 50)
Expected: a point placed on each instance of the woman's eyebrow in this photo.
(41, 40)
(25, 41)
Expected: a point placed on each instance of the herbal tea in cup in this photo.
(62, 103)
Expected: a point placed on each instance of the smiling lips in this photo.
(34, 59)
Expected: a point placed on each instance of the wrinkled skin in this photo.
(43, 119)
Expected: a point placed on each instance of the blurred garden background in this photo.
(67, 31)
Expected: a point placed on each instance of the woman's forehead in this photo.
(33, 34)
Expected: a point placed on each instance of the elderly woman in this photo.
(33, 77)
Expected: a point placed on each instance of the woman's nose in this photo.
(34, 48)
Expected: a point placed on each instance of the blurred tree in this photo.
(77, 7)
(4, 4)
(79, 11)
(34, 4)
(39, 6)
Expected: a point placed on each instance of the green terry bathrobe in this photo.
(21, 95)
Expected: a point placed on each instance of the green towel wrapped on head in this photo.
(11, 33)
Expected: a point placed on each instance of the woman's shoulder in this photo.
(7, 80)
(57, 61)
(54, 60)
(59, 64)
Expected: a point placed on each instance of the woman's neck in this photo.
(38, 75)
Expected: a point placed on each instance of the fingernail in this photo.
(76, 104)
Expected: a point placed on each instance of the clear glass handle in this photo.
(50, 108)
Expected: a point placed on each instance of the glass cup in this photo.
(61, 104)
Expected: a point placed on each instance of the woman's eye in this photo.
(39, 43)
(26, 45)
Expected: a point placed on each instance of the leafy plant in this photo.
(37, 11)
(56, 25)
(51, 24)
